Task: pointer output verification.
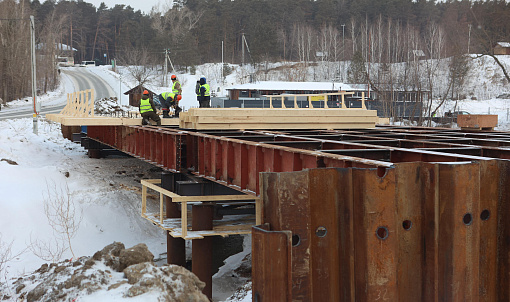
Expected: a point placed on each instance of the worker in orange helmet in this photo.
(170, 99)
(148, 109)
(176, 85)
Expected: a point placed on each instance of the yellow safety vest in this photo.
(207, 90)
(176, 91)
(165, 95)
(145, 105)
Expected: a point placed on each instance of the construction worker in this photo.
(176, 85)
(170, 99)
(148, 109)
(203, 91)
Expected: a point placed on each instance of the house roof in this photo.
(58, 46)
(504, 44)
(294, 86)
(138, 90)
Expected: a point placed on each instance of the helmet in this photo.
(178, 97)
(173, 77)
(145, 91)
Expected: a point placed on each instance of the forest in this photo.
(193, 32)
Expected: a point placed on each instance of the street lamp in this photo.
(34, 84)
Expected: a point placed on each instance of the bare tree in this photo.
(139, 65)
(48, 250)
(51, 49)
(63, 218)
(14, 50)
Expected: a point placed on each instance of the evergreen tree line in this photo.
(199, 31)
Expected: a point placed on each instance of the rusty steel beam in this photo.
(275, 252)
(236, 162)
(415, 232)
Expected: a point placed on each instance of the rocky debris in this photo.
(137, 254)
(126, 272)
(110, 107)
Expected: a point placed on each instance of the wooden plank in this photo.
(286, 119)
(106, 121)
(477, 121)
(217, 112)
(280, 126)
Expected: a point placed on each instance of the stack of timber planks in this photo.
(277, 118)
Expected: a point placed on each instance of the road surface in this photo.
(81, 79)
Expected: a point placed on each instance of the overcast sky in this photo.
(145, 6)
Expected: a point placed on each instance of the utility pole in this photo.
(343, 50)
(469, 36)
(34, 78)
(222, 75)
(165, 76)
(242, 54)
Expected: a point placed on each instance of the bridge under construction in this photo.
(343, 210)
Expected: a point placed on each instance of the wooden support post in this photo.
(363, 100)
(326, 101)
(295, 102)
(258, 211)
(184, 219)
(270, 102)
(343, 101)
(161, 208)
(283, 102)
(310, 102)
(201, 253)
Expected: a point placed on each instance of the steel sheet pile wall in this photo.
(416, 232)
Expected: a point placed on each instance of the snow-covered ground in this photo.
(106, 192)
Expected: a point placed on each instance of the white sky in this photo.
(144, 6)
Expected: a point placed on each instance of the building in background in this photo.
(388, 102)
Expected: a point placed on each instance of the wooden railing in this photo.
(80, 104)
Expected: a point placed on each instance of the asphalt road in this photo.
(81, 78)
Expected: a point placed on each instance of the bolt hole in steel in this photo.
(296, 240)
(382, 233)
(381, 171)
(467, 219)
(407, 224)
(321, 231)
(485, 215)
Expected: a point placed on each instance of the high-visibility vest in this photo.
(207, 89)
(145, 105)
(174, 90)
(165, 95)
